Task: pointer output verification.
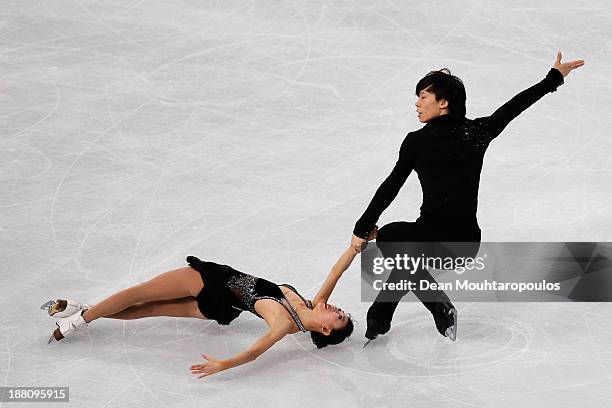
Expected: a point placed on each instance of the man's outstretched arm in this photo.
(515, 106)
(385, 194)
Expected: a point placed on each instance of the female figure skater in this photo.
(206, 290)
(447, 154)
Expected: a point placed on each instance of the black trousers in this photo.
(428, 239)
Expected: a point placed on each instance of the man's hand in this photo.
(566, 67)
(209, 367)
(359, 244)
(373, 234)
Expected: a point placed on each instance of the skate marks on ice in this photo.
(414, 348)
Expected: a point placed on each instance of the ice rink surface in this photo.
(133, 134)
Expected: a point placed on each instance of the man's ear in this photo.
(325, 330)
(443, 104)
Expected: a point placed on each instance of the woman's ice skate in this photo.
(67, 326)
(63, 307)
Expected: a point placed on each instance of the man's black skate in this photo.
(375, 328)
(379, 319)
(445, 316)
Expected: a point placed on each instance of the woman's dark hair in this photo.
(336, 336)
(445, 86)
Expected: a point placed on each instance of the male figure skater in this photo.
(447, 155)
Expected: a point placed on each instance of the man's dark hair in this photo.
(445, 86)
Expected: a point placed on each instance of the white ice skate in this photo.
(63, 307)
(67, 326)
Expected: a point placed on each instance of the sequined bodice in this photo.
(247, 289)
(243, 288)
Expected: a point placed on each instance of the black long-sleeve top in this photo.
(447, 155)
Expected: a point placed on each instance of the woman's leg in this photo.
(178, 283)
(183, 307)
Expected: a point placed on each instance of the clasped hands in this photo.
(359, 244)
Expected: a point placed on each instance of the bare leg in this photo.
(183, 307)
(178, 283)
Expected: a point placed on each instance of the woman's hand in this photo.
(211, 366)
(357, 243)
(566, 67)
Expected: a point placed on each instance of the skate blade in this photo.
(56, 335)
(451, 332)
(367, 342)
(47, 306)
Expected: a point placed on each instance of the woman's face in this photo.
(428, 107)
(331, 317)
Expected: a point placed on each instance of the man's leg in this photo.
(381, 311)
(435, 300)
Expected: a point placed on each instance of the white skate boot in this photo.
(67, 326)
(64, 307)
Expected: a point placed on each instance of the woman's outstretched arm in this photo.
(341, 265)
(213, 365)
(334, 275)
(511, 109)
